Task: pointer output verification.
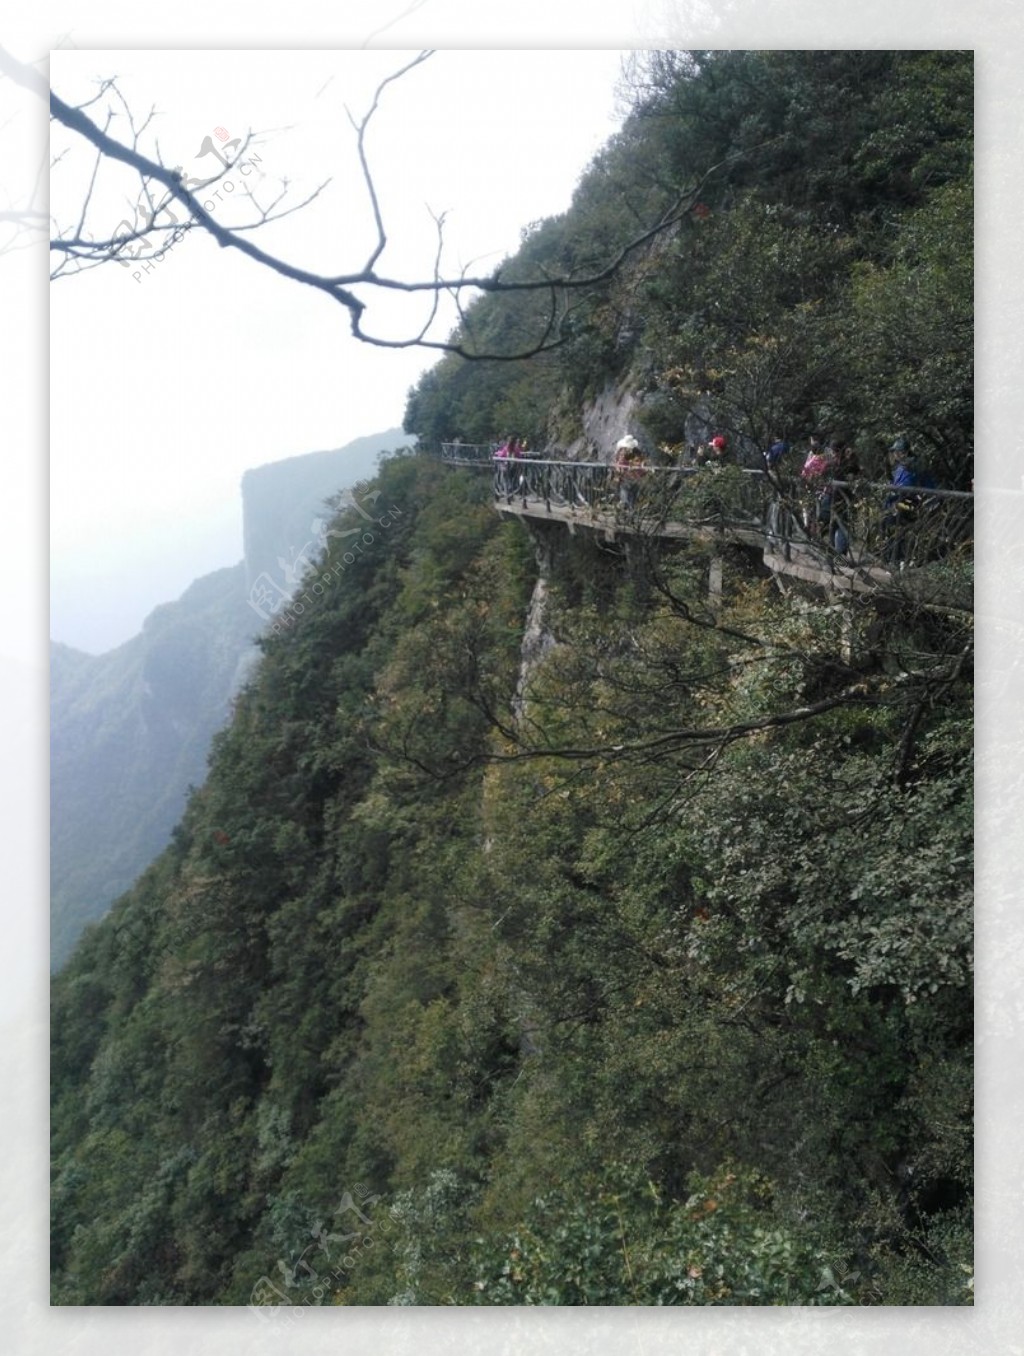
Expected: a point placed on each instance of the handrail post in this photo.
(863, 535)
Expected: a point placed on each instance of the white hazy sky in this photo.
(167, 384)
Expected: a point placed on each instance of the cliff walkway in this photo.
(865, 537)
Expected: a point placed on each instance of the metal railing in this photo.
(468, 454)
(861, 524)
(865, 523)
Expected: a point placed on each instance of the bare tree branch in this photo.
(360, 128)
(347, 289)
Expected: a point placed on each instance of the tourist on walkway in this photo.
(816, 467)
(774, 456)
(845, 469)
(718, 450)
(629, 468)
(503, 473)
(779, 512)
(902, 505)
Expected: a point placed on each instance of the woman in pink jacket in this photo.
(816, 468)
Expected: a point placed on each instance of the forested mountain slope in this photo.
(816, 278)
(632, 965)
(130, 732)
(374, 957)
(131, 729)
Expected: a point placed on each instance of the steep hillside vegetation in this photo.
(608, 974)
(632, 964)
(130, 730)
(819, 281)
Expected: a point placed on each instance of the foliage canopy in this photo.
(432, 1004)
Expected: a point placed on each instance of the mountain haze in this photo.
(131, 729)
(574, 911)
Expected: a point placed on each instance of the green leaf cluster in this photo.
(632, 966)
(403, 933)
(816, 277)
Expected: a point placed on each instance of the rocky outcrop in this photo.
(538, 641)
(605, 420)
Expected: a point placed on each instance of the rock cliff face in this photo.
(131, 729)
(538, 641)
(619, 410)
(605, 420)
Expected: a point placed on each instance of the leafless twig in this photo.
(161, 187)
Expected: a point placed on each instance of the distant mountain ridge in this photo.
(131, 728)
(130, 732)
(283, 502)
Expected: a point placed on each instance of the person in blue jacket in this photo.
(901, 504)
